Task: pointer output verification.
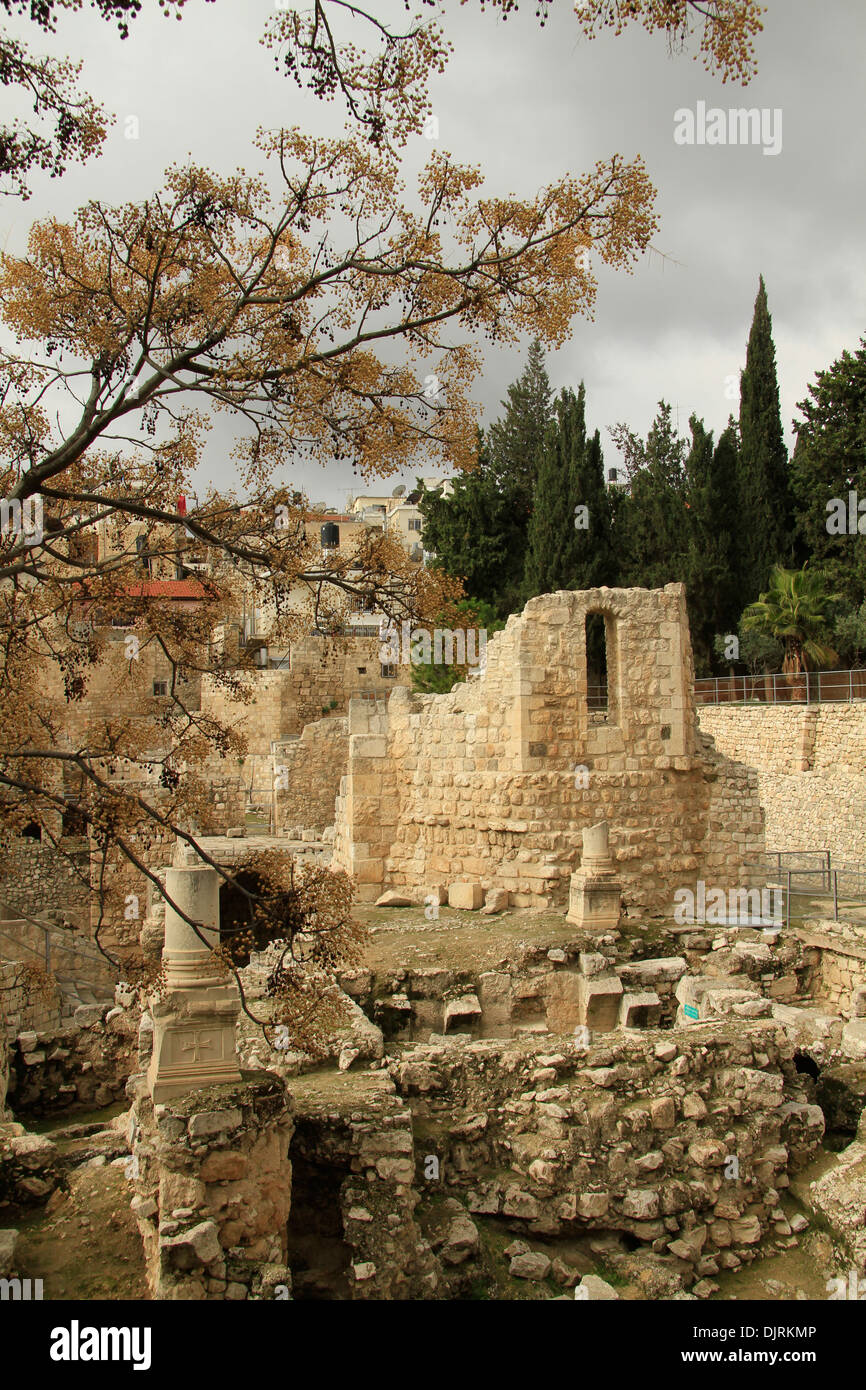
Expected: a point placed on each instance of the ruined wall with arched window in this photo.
(495, 780)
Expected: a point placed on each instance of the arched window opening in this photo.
(596, 664)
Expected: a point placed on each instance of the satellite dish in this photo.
(399, 491)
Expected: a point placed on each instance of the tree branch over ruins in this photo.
(312, 305)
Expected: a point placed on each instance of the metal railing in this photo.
(805, 688)
(52, 948)
(807, 874)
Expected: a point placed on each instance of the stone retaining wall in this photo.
(636, 1135)
(311, 768)
(213, 1190)
(83, 1067)
(811, 765)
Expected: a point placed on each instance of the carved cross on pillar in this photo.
(197, 1043)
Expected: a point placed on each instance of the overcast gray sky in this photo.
(529, 104)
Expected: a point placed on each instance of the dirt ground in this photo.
(84, 1243)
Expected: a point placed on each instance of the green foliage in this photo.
(758, 653)
(516, 442)
(849, 634)
(830, 461)
(764, 533)
(711, 575)
(478, 534)
(651, 535)
(795, 610)
(431, 678)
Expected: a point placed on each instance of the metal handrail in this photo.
(52, 947)
(783, 688)
(829, 876)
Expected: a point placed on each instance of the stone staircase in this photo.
(81, 972)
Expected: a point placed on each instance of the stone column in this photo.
(595, 898)
(194, 1041)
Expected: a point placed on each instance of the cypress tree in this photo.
(763, 487)
(568, 547)
(516, 442)
(652, 520)
(829, 463)
(715, 598)
(592, 548)
(550, 558)
(475, 534)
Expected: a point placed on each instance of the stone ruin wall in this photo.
(285, 700)
(314, 765)
(811, 766)
(635, 1135)
(35, 878)
(480, 783)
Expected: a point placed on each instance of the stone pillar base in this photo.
(594, 901)
(194, 1041)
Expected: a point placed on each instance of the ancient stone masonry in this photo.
(80, 1067)
(321, 672)
(306, 774)
(352, 1233)
(495, 780)
(37, 878)
(811, 770)
(23, 1007)
(214, 1189)
(635, 1135)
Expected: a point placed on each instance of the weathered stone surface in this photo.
(641, 1203)
(466, 896)
(496, 900)
(596, 1289)
(640, 1010)
(202, 1125)
(532, 1265)
(198, 1245)
(461, 1240)
(464, 1008)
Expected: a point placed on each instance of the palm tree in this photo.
(795, 611)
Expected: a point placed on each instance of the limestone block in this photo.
(596, 1289)
(466, 896)
(640, 1010)
(600, 1002)
(853, 1042)
(663, 1112)
(496, 900)
(199, 1245)
(592, 1204)
(466, 1007)
(531, 1265)
(648, 973)
(641, 1203)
